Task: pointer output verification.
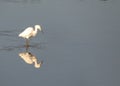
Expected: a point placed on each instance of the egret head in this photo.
(38, 27)
(38, 65)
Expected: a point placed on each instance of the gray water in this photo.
(80, 45)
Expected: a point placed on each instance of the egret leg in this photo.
(27, 43)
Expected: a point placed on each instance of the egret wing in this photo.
(26, 32)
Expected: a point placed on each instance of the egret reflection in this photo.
(29, 58)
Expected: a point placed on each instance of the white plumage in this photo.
(30, 32)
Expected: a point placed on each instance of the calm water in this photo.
(80, 45)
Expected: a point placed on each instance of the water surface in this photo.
(79, 47)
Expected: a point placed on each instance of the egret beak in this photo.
(42, 31)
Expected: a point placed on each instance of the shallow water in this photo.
(79, 47)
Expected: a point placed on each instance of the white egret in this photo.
(30, 59)
(30, 32)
